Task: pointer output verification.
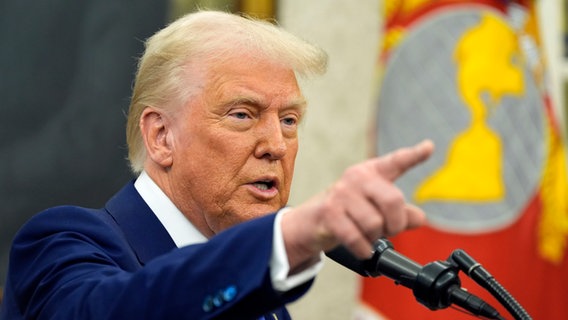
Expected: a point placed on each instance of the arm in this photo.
(74, 263)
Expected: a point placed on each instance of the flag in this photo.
(470, 76)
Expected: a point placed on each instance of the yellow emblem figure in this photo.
(487, 58)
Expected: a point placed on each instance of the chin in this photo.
(247, 212)
(256, 211)
(262, 209)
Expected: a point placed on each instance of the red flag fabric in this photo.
(470, 76)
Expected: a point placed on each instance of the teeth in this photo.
(261, 185)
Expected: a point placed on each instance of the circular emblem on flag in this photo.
(459, 78)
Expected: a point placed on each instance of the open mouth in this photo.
(264, 185)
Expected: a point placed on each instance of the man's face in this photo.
(235, 144)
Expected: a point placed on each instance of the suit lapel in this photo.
(146, 235)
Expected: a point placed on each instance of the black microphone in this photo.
(435, 285)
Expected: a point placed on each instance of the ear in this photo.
(157, 135)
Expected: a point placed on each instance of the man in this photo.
(202, 233)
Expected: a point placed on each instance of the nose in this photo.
(271, 143)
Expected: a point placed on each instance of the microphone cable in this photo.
(482, 277)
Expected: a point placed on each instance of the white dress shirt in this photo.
(184, 233)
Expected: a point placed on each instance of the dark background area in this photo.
(66, 71)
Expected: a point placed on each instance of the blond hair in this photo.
(206, 36)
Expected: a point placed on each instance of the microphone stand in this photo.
(436, 285)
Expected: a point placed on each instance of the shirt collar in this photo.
(180, 229)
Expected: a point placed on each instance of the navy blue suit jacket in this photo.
(120, 263)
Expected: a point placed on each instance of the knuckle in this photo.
(396, 225)
(355, 173)
(374, 227)
(327, 206)
(352, 239)
(392, 199)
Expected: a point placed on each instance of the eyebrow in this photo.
(299, 103)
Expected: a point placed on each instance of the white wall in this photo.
(339, 113)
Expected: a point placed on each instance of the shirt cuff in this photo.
(279, 266)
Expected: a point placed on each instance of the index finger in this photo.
(394, 164)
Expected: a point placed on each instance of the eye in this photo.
(240, 119)
(290, 121)
(240, 115)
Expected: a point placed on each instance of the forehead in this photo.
(246, 76)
